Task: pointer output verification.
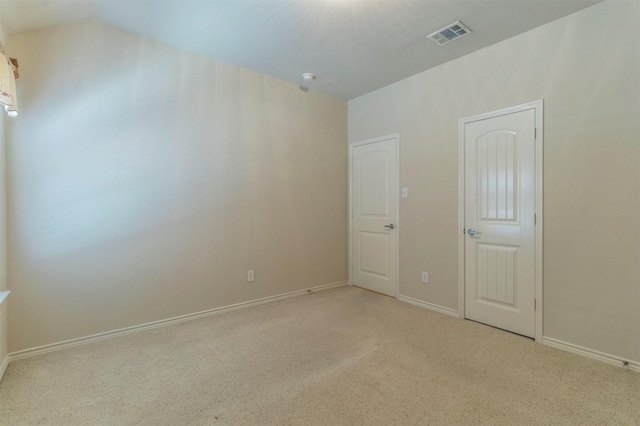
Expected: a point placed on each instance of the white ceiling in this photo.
(353, 46)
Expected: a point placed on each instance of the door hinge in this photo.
(535, 218)
(535, 133)
(535, 304)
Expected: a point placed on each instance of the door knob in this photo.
(392, 226)
(472, 232)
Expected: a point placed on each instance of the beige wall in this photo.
(586, 67)
(144, 181)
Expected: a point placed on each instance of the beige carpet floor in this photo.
(345, 356)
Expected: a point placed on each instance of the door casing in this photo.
(537, 106)
(352, 145)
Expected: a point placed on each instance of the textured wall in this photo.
(144, 181)
(591, 91)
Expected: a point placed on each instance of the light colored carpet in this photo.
(345, 356)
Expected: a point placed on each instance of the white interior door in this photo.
(500, 221)
(374, 192)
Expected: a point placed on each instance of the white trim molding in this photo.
(430, 306)
(26, 353)
(3, 366)
(590, 353)
(538, 107)
(5, 361)
(3, 296)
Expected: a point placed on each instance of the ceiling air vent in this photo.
(449, 33)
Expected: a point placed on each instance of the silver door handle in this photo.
(392, 226)
(471, 231)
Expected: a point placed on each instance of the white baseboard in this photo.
(3, 366)
(26, 353)
(430, 306)
(590, 353)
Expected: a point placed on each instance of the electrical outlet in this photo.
(425, 277)
(251, 276)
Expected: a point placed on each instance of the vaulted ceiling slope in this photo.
(353, 46)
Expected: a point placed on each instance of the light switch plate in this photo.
(405, 192)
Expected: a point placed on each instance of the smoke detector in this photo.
(307, 76)
(449, 33)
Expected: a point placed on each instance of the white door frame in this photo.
(538, 279)
(352, 145)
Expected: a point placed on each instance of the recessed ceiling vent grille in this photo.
(449, 33)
